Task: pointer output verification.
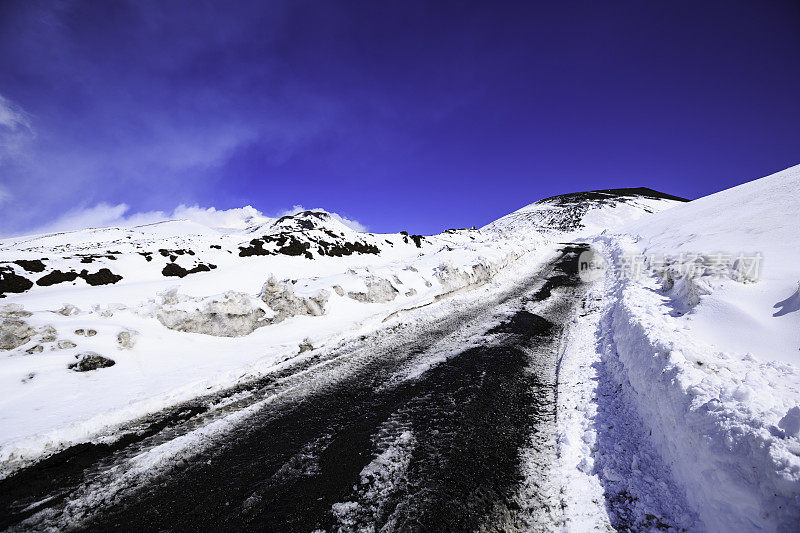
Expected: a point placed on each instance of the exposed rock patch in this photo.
(90, 361)
(417, 239)
(299, 243)
(48, 334)
(89, 258)
(14, 311)
(34, 265)
(55, 277)
(12, 283)
(102, 277)
(346, 248)
(174, 269)
(169, 253)
(256, 248)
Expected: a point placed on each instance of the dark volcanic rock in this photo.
(610, 194)
(102, 277)
(256, 248)
(34, 265)
(56, 276)
(11, 282)
(296, 247)
(89, 258)
(299, 243)
(90, 361)
(347, 248)
(174, 269)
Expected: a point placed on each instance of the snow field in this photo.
(166, 366)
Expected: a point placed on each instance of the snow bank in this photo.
(710, 364)
(231, 314)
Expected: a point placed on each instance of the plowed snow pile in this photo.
(701, 327)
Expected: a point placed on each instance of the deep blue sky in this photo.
(402, 115)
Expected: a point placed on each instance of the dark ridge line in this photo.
(602, 194)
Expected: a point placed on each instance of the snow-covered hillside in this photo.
(705, 332)
(161, 312)
(585, 213)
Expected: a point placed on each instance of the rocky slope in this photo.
(585, 212)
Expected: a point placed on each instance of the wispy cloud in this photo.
(97, 216)
(119, 215)
(4, 195)
(15, 130)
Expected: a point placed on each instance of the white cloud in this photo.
(349, 222)
(98, 216)
(107, 215)
(5, 195)
(15, 129)
(237, 218)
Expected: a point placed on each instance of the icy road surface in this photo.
(446, 427)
